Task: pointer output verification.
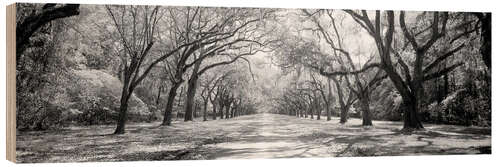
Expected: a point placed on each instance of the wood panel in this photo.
(11, 82)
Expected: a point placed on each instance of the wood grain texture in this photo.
(11, 82)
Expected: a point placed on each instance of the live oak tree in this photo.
(231, 94)
(213, 96)
(327, 97)
(296, 52)
(137, 39)
(232, 54)
(384, 42)
(137, 30)
(300, 99)
(409, 83)
(215, 31)
(304, 53)
(363, 84)
(307, 59)
(248, 41)
(344, 101)
(209, 84)
(205, 94)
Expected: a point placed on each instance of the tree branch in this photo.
(336, 73)
(26, 28)
(442, 72)
(405, 67)
(406, 32)
(442, 57)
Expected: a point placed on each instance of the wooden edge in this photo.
(11, 82)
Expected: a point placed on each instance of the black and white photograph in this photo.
(111, 82)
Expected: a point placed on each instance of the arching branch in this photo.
(336, 73)
(26, 28)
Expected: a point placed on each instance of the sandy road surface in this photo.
(252, 136)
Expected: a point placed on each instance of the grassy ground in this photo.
(255, 136)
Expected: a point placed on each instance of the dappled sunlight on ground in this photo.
(255, 136)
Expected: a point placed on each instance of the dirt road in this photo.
(253, 136)
(270, 136)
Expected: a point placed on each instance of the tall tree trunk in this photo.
(232, 111)
(311, 111)
(344, 109)
(191, 91)
(237, 110)
(205, 103)
(328, 112)
(306, 114)
(318, 109)
(195, 109)
(318, 114)
(300, 114)
(221, 109)
(410, 115)
(179, 104)
(167, 115)
(485, 20)
(228, 107)
(122, 115)
(214, 110)
(364, 101)
(343, 114)
(160, 89)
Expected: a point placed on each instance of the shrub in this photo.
(460, 108)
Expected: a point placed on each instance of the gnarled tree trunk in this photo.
(205, 103)
(122, 115)
(410, 115)
(221, 109)
(167, 117)
(364, 101)
(343, 114)
(191, 91)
